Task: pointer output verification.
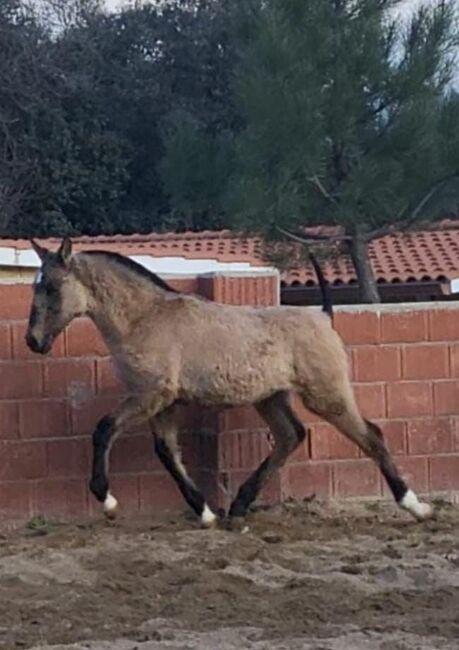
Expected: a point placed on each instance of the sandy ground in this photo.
(304, 576)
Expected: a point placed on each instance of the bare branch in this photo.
(311, 238)
(315, 180)
(406, 224)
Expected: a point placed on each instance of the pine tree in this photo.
(349, 120)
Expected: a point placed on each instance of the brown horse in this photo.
(172, 348)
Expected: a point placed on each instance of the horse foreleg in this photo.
(164, 428)
(288, 433)
(107, 430)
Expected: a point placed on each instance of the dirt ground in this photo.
(304, 576)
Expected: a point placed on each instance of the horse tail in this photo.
(327, 304)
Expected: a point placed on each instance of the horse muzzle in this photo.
(40, 347)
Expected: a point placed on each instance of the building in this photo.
(412, 267)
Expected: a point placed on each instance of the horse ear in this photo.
(40, 251)
(65, 250)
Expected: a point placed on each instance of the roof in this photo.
(395, 258)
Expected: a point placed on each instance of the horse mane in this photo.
(135, 267)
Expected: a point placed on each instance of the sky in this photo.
(405, 8)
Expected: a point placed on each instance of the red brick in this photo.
(358, 328)
(242, 449)
(269, 494)
(15, 301)
(125, 489)
(159, 492)
(193, 418)
(207, 482)
(84, 418)
(60, 497)
(20, 379)
(243, 291)
(20, 349)
(307, 417)
(306, 479)
(242, 418)
(404, 327)
(394, 436)
(69, 458)
(71, 379)
(84, 340)
(15, 501)
(201, 448)
(414, 470)
(5, 341)
(373, 363)
(108, 381)
(355, 478)
(444, 325)
(327, 444)
(432, 436)
(455, 433)
(409, 399)
(301, 453)
(446, 397)
(371, 400)
(22, 460)
(184, 285)
(132, 454)
(9, 420)
(425, 362)
(454, 355)
(444, 472)
(43, 419)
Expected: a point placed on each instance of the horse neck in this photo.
(117, 298)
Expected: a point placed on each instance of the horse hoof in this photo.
(238, 525)
(420, 511)
(424, 512)
(110, 507)
(208, 518)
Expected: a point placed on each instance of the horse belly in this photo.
(235, 384)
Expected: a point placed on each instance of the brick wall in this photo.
(405, 365)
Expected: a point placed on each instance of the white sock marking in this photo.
(110, 504)
(411, 503)
(208, 518)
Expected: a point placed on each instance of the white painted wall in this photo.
(20, 265)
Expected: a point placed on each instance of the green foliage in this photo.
(204, 113)
(195, 171)
(88, 94)
(348, 117)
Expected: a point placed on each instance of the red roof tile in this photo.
(427, 255)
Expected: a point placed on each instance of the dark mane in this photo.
(135, 267)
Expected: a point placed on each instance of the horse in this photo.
(172, 348)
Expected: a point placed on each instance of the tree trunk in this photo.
(359, 251)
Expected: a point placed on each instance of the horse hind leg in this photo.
(165, 433)
(369, 437)
(288, 433)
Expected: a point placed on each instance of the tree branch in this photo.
(310, 239)
(407, 223)
(315, 180)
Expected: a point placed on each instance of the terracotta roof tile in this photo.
(416, 256)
